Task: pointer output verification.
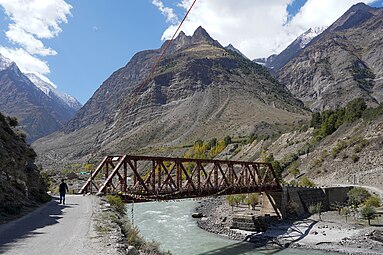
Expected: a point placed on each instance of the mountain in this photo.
(343, 63)
(200, 90)
(276, 62)
(39, 114)
(265, 61)
(232, 48)
(51, 91)
(21, 185)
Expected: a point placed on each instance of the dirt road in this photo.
(52, 229)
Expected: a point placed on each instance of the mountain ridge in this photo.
(38, 113)
(199, 90)
(341, 64)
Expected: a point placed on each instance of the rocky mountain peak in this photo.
(182, 40)
(355, 16)
(360, 7)
(201, 35)
(309, 35)
(4, 63)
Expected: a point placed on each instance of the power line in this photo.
(164, 51)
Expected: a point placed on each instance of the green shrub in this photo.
(227, 140)
(306, 182)
(355, 158)
(117, 203)
(294, 171)
(372, 201)
(357, 196)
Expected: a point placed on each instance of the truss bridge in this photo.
(163, 178)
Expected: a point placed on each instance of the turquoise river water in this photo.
(171, 224)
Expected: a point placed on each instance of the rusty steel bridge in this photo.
(162, 178)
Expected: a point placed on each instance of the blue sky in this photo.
(84, 42)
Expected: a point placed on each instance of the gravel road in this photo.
(52, 229)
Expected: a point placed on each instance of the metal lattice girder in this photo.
(169, 178)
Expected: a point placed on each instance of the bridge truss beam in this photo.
(163, 178)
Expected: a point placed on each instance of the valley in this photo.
(313, 113)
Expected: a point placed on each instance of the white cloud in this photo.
(166, 11)
(34, 20)
(31, 21)
(28, 41)
(25, 61)
(256, 27)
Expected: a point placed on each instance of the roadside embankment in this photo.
(115, 230)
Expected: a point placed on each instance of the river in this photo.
(171, 224)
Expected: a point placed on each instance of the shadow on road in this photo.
(27, 226)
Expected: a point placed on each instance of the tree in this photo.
(231, 201)
(227, 140)
(345, 211)
(237, 200)
(212, 143)
(241, 198)
(355, 109)
(372, 201)
(316, 120)
(252, 200)
(368, 213)
(357, 195)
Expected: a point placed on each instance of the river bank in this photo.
(332, 233)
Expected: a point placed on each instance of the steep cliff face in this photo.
(343, 63)
(21, 185)
(199, 90)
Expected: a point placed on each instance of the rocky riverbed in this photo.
(331, 233)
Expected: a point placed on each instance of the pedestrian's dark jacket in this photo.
(63, 188)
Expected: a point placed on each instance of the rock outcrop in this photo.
(21, 185)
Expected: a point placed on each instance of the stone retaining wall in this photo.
(291, 198)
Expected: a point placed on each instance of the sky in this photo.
(76, 45)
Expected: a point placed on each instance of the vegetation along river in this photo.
(171, 224)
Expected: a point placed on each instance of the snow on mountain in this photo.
(310, 34)
(275, 62)
(50, 90)
(4, 63)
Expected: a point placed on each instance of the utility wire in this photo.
(167, 46)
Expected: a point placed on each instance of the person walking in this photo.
(63, 188)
